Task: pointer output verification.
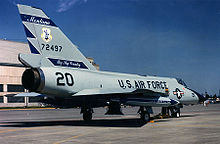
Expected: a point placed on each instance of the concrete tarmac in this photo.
(197, 124)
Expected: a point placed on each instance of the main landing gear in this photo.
(87, 113)
(145, 113)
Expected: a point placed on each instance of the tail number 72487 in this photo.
(64, 79)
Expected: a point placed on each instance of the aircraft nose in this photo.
(201, 97)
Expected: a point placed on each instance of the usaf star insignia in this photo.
(178, 93)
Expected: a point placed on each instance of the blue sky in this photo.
(174, 38)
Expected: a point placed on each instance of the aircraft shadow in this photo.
(189, 115)
(132, 122)
(93, 123)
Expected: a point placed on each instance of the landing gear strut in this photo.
(173, 111)
(145, 113)
(87, 113)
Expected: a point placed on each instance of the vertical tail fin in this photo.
(48, 41)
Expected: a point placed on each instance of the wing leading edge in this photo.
(143, 97)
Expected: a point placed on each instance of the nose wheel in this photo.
(171, 111)
(175, 112)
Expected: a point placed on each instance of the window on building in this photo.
(1, 87)
(15, 99)
(15, 88)
(1, 99)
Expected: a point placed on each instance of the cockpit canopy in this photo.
(180, 81)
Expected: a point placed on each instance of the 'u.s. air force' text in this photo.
(139, 84)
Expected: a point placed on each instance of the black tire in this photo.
(145, 116)
(176, 114)
(87, 116)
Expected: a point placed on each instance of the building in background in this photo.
(91, 60)
(10, 75)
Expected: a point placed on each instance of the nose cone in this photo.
(201, 97)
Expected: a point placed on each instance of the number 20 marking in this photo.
(68, 79)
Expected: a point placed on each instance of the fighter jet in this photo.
(58, 70)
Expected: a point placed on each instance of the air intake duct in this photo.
(33, 80)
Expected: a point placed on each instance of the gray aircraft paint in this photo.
(67, 73)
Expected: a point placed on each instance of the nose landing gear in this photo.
(173, 111)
